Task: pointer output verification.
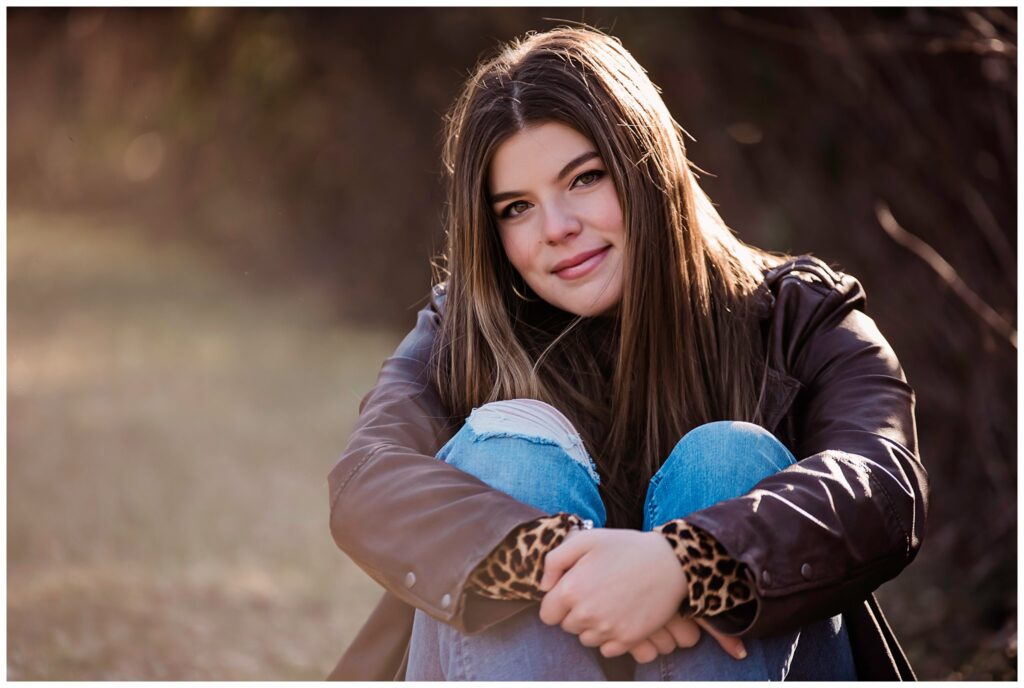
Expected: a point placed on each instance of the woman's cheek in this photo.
(512, 251)
(519, 255)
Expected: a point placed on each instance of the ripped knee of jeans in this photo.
(532, 421)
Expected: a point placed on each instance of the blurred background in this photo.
(220, 222)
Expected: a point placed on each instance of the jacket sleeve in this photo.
(821, 535)
(413, 523)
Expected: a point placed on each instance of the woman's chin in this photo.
(587, 308)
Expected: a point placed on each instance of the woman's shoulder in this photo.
(807, 289)
(817, 318)
(806, 271)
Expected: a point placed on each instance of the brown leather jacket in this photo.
(818, 537)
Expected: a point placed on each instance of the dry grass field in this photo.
(170, 429)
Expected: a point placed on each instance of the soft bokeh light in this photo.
(144, 156)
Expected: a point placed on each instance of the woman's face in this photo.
(559, 217)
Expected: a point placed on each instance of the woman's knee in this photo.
(530, 450)
(711, 463)
(735, 446)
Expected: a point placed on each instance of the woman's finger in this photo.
(572, 623)
(554, 607)
(560, 559)
(684, 631)
(663, 641)
(613, 648)
(644, 652)
(592, 638)
(734, 646)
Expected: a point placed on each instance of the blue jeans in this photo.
(529, 450)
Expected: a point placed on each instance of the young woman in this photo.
(700, 458)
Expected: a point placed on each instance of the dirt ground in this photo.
(170, 429)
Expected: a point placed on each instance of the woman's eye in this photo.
(513, 209)
(588, 178)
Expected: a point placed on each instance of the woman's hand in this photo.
(614, 586)
(557, 606)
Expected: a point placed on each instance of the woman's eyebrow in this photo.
(572, 164)
(578, 160)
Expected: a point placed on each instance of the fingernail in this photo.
(741, 652)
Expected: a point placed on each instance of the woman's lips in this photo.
(584, 267)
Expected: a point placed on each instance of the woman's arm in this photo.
(415, 524)
(821, 535)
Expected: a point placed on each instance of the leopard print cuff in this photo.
(513, 569)
(716, 581)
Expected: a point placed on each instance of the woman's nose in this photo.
(559, 224)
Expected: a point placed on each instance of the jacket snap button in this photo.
(410, 579)
(446, 601)
(806, 571)
(766, 578)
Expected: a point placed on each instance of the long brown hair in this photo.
(682, 348)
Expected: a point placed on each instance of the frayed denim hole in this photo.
(586, 462)
(567, 438)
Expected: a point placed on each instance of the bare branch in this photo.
(945, 271)
(990, 229)
(998, 16)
